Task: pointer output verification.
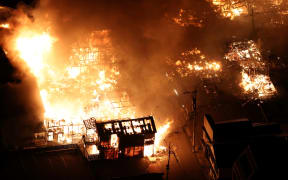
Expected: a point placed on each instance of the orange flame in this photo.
(230, 9)
(259, 84)
(162, 131)
(86, 87)
(193, 62)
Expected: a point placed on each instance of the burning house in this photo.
(254, 70)
(118, 138)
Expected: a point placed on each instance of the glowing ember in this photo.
(176, 92)
(244, 51)
(231, 8)
(258, 84)
(92, 149)
(254, 80)
(185, 18)
(5, 26)
(214, 66)
(114, 141)
(194, 63)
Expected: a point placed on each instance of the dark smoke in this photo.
(21, 108)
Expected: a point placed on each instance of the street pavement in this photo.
(185, 164)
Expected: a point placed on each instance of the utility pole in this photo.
(193, 116)
(194, 98)
(262, 111)
(168, 164)
(250, 9)
(170, 151)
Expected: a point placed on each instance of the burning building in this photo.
(112, 139)
(255, 73)
(230, 8)
(118, 138)
(194, 63)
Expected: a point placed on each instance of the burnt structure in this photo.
(118, 138)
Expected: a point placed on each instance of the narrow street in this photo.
(186, 166)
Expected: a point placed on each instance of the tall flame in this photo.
(85, 87)
(162, 132)
(32, 48)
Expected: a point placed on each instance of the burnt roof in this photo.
(138, 126)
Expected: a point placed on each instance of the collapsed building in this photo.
(113, 139)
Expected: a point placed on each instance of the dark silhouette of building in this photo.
(264, 159)
(223, 142)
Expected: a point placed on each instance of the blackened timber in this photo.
(90, 123)
(130, 135)
(146, 128)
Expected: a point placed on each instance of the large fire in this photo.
(259, 84)
(231, 8)
(85, 83)
(159, 138)
(82, 89)
(194, 63)
(86, 86)
(32, 48)
(273, 12)
(255, 80)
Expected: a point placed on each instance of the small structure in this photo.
(117, 138)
